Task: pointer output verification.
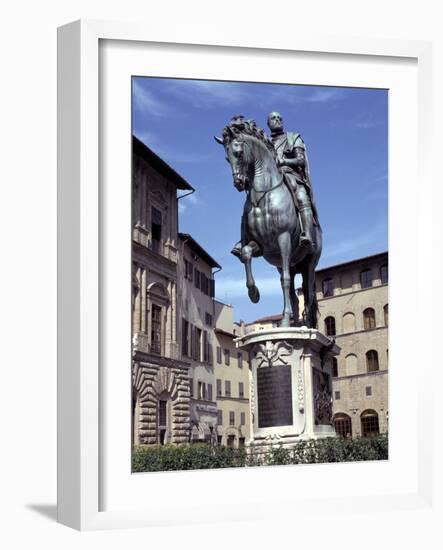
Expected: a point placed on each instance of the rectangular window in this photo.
(156, 229)
(366, 278)
(162, 414)
(368, 391)
(337, 395)
(219, 387)
(241, 441)
(196, 278)
(243, 419)
(198, 345)
(327, 287)
(192, 339)
(205, 347)
(241, 390)
(156, 329)
(204, 283)
(227, 357)
(189, 270)
(231, 418)
(384, 274)
(185, 337)
(219, 355)
(219, 417)
(202, 390)
(208, 319)
(191, 387)
(227, 388)
(240, 360)
(212, 289)
(209, 393)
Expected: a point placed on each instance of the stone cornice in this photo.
(300, 335)
(152, 257)
(361, 374)
(153, 359)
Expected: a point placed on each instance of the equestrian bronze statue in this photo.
(280, 220)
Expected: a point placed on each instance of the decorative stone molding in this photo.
(272, 353)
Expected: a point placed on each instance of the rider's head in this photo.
(275, 122)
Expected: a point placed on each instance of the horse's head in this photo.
(236, 153)
(247, 148)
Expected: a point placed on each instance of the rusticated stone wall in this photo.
(152, 380)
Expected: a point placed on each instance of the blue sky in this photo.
(345, 131)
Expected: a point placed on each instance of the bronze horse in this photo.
(270, 223)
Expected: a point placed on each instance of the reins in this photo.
(267, 190)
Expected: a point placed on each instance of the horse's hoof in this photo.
(254, 294)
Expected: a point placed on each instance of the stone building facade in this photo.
(160, 377)
(354, 310)
(232, 374)
(197, 307)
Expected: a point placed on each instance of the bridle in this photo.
(243, 178)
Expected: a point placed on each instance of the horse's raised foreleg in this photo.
(246, 256)
(284, 243)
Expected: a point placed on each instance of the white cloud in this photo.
(324, 95)
(168, 154)
(353, 245)
(298, 95)
(147, 102)
(207, 93)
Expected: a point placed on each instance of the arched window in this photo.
(372, 361)
(348, 322)
(330, 326)
(368, 318)
(343, 425)
(327, 287)
(351, 364)
(369, 423)
(366, 278)
(386, 314)
(334, 367)
(384, 274)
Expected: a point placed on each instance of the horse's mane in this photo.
(240, 126)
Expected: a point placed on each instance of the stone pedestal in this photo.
(291, 389)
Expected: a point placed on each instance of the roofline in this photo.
(199, 249)
(350, 262)
(224, 332)
(159, 164)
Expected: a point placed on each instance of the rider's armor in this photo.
(290, 148)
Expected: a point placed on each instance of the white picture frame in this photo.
(84, 210)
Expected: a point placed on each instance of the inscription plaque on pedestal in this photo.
(274, 396)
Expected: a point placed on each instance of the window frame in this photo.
(371, 360)
(369, 320)
(327, 328)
